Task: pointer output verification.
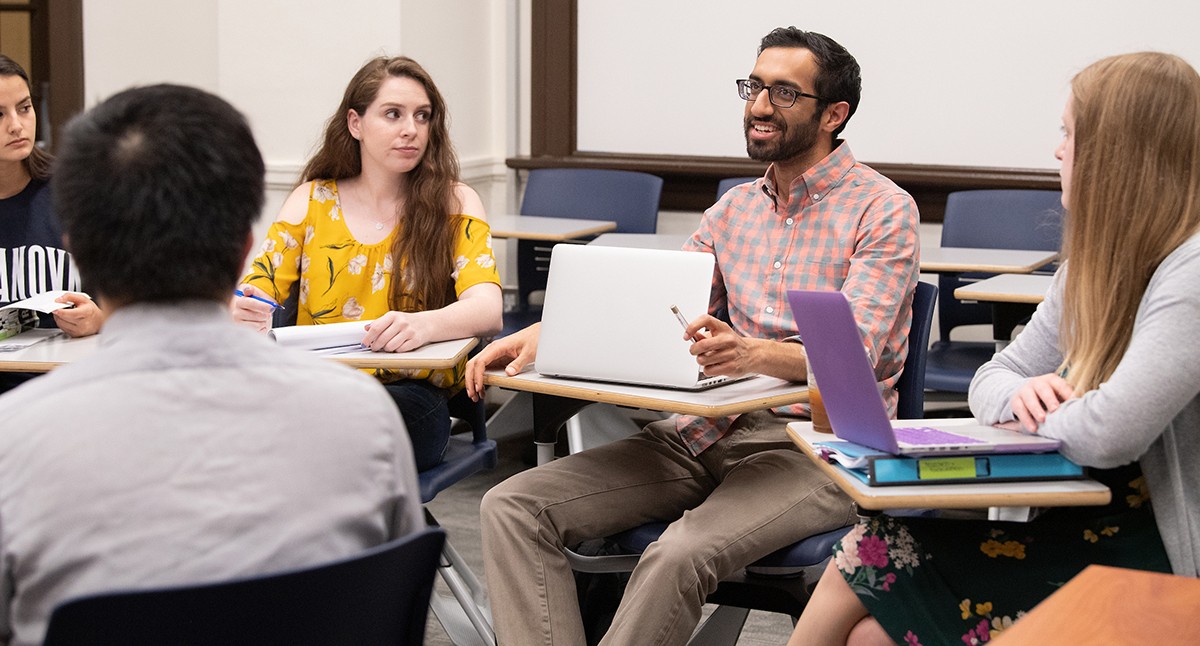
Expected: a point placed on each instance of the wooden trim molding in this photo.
(690, 183)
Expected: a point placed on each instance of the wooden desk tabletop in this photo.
(736, 398)
(1006, 288)
(1112, 606)
(50, 354)
(992, 261)
(1059, 493)
(530, 227)
(664, 241)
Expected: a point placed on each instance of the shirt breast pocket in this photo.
(819, 274)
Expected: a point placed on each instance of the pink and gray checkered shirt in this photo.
(846, 227)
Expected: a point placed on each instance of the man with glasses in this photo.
(733, 489)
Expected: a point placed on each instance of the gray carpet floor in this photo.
(457, 510)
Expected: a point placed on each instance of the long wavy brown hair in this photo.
(37, 164)
(422, 253)
(1134, 197)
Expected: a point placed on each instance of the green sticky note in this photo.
(945, 468)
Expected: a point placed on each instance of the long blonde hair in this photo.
(1134, 197)
(422, 254)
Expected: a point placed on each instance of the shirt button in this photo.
(789, 220)
(778, 264)
(770, 310)
(816, 197)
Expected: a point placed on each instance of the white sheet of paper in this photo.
(44, 302)
(345, 336)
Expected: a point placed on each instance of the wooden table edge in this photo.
(955, 267)
(640, 401)
(30, 366)
(399, 362)
(555, 237)
(965, 294)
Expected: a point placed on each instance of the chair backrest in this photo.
(912, 380)
(378, 597)
(724, 185)
(628, 198)
(993, 219)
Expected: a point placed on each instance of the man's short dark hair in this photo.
(839, 78)
(157, 189)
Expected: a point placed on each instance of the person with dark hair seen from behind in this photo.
(186, 449)
(32, 257)
(732, 489)
(1108, 365)
(381, 230)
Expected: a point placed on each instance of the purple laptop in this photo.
(851, 393)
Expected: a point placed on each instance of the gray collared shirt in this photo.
(187, 449)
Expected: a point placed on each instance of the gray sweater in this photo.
(1148, 410)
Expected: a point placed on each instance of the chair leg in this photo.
(467, 619)
(605, 423)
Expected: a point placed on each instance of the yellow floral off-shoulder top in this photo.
(344, 280)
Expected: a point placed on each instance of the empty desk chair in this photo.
(992, 219)
(724, 185)
(378, 597)
(628, 198)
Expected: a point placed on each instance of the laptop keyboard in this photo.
(925, 436)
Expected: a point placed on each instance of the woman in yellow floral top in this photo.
(380, 230)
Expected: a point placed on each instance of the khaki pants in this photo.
(744, 497)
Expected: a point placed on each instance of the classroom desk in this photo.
(1013, 298)
(1113, 606)
(531, 227)
(1058, 493)
(953, 260)
(49, 354)
(664, 241)
(555, 400)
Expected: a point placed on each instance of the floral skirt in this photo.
(939, 581)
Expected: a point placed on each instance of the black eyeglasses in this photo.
(781, 96)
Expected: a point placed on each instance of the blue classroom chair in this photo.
(628, 198)
(988, 219)
(378, 597)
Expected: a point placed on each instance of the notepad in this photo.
(330, 338)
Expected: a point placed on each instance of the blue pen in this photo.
(238, 292)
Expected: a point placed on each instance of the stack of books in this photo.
(877, 468)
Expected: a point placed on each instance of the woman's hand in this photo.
(396, 332)
(1038, 397)
(84, 319)
(252, 313)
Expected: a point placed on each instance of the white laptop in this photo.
(852, 399)
(607, 315)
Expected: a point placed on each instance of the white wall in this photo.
(944, 81)
(286, 63)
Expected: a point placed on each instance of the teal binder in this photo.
(878, 469)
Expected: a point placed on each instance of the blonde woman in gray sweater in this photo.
(1109, 364)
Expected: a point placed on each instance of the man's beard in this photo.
(789, 145)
